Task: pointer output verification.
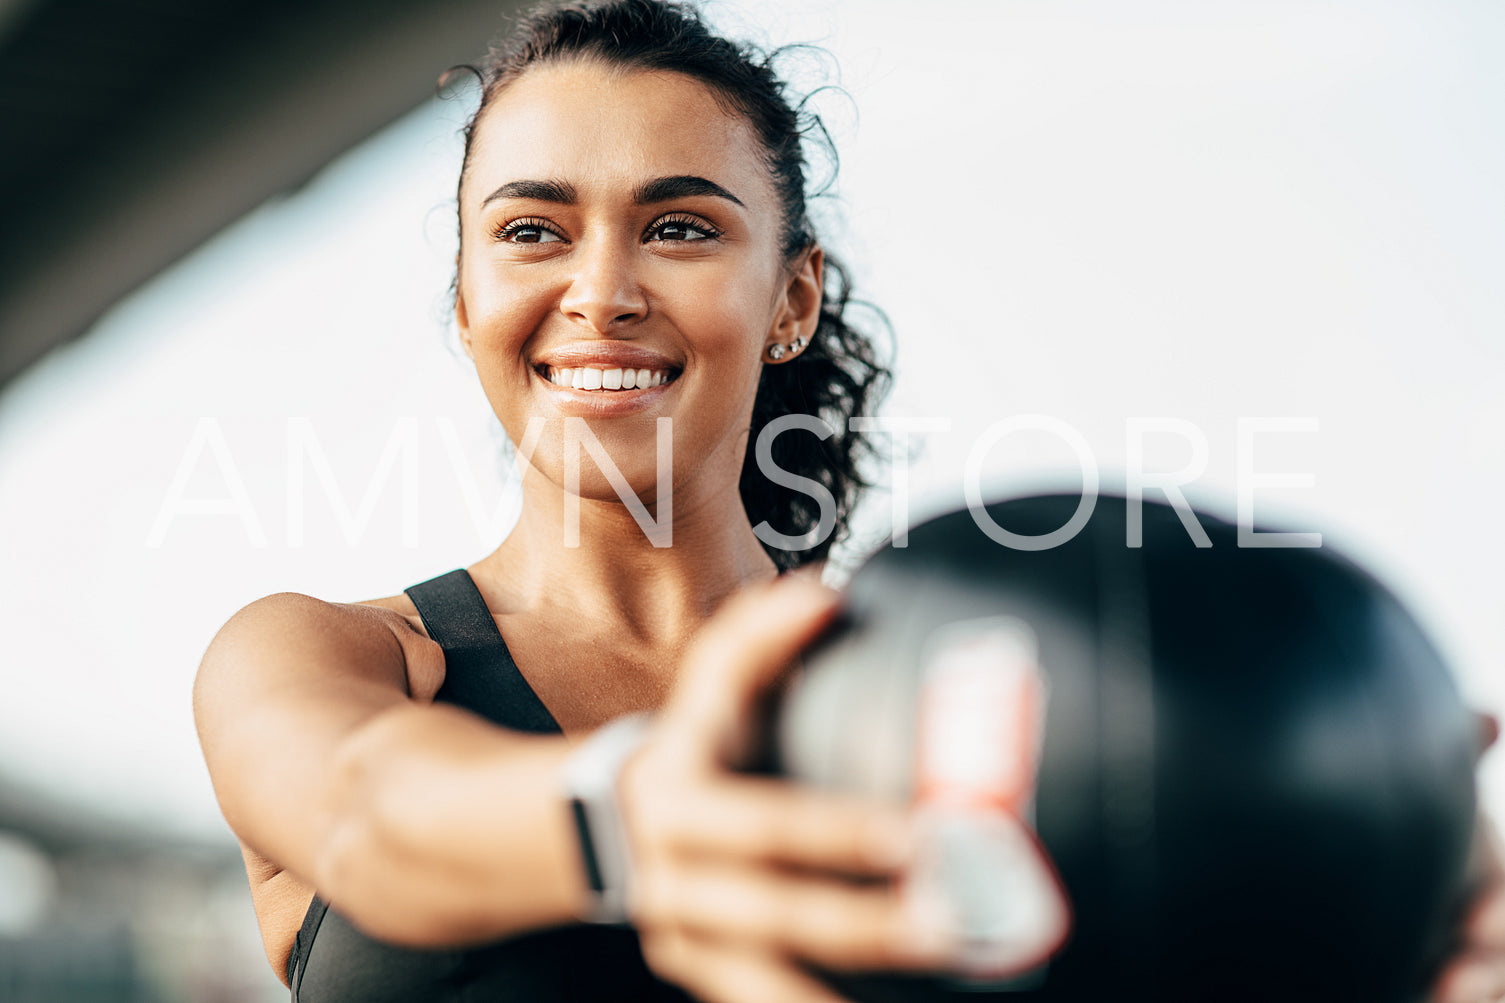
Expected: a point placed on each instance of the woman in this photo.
(634, 255)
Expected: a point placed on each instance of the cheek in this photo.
(500, 320)
(724, 313)
(502, 313)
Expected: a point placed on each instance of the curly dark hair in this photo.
(840, 373)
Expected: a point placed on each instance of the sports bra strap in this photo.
(479, 673)
(480, 676)
(304, 942)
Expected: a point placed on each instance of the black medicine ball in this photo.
(1256, 775)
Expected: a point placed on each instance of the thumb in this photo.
(1488, 726)
(739, 655)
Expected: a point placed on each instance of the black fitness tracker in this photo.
(590, 778)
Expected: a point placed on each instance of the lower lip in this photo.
(603, 403)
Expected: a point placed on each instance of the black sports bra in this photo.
(333, 962)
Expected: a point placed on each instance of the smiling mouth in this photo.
(600, 378)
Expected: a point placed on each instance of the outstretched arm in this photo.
(426, 825)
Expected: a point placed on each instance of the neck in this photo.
(616, 574)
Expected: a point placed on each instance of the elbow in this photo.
(385, 898)
(382, 863)
(361, 856)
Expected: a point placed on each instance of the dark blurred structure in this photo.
(1253, 773)
(133, 130)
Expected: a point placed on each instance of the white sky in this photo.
(1096, 211)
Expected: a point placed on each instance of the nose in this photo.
(604, 292)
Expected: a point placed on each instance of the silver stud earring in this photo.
(776, 351)
(798, 345)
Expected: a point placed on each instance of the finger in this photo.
(1471, 980)
(1486, 871)
(834, 924)
(718, 973)
(1484, 929)
(771, 821)
(1488, 726)
(744, 648)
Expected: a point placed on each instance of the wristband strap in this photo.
(590, 779)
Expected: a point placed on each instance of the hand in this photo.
(1477, 972)
(740, 882)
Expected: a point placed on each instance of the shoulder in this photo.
(423, 657)
(402, 606)
(291, 626)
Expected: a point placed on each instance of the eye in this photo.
(527, 230)
(681, 228)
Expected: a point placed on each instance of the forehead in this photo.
(603, 129)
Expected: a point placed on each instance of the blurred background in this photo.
(226, 367)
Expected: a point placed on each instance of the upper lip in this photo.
(604, 355)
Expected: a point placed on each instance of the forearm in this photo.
(447, 830)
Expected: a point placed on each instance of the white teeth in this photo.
(586, 378)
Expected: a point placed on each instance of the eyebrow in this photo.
(680, 186)
(657, 190)
(542, 191)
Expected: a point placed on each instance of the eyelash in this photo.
(504, 231)
(686, 220)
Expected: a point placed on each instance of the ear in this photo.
(462, 316)
(799, 310)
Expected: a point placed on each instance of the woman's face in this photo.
(622, 222)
